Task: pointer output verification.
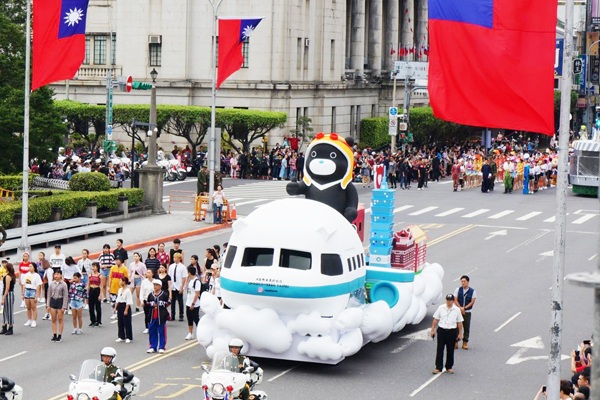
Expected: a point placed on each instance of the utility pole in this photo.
(406, 104)
(393, 143)
(560, 227)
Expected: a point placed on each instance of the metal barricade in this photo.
(201, 206)
(182, 200)
(6, 195)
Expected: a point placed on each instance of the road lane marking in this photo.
(132, 315)
(452, 211)
(25, 310)
(162, 357)
(551, 219)
(283, 373)
(476, 213)
(507, 322)
(529, 216)
(183, 181)
(399, 209)
(157, 387)
(423, 386)
(451, 234)
(187, 387)
(470, 272)
(423, 211)
(501, 214)
(592, 257)
(13, 356)
(536, 237)
(250, 202)
(584, 218)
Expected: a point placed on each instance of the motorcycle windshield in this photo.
(92, 369)
(225, 361)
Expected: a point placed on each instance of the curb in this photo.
(154, 242)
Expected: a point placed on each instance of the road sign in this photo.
(129, 83)
(110, 105)
(109, 132)
(412, 69)
(577, 66)
(403, 126)
(393, 111)
(558, 57)
(393, 126)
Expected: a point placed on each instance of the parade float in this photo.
(306, 290)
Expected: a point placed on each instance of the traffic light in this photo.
(402, 137)
(410, 137)
(142, 86)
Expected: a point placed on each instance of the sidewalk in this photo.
(144, 232)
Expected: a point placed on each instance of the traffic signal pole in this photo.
(406, 107)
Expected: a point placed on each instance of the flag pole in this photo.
(560, 227)
(24, 246)
(212, 157)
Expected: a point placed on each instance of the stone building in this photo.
(326, 59)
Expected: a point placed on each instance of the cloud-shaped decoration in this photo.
(261, 328)
(433, 286)
(205, 329)
(351, 342)
(220, 343)
(413, 310)
(209, 303)
(421, 314)
(323, 348)
(438, 269)
(404, 301)
(377, 321)
(311, 324)
(418, 286)
(400, 325)
(349, 319)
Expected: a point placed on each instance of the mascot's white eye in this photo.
(333, 154)
(313, 153)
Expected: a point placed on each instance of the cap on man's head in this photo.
(157, 282)
(57, 246)
(450, 297)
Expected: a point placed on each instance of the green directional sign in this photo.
(142, 86)
(109, 145)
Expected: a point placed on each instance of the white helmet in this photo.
(110, 352)
(235, 342)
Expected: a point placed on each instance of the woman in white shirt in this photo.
(218, 200)
(33, 284)
(123, 306)
(215, 283)
(145, 289)
(137, 272)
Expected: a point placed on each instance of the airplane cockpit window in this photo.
(295, 259)
(230, 256)
(257, 257)
(331, 265)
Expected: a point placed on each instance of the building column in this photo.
(422, 19)
(357, 61)
(375, 36)
(408, 25)
(391, 33)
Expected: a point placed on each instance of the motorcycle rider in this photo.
(112, 372)
(235, 347)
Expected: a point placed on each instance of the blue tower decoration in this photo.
(382, 225)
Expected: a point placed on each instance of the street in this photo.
(503, 242)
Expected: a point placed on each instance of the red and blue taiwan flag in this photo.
(492, 63)
(232, 34)
(58, 40)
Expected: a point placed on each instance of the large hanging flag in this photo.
(491, 63)
(232, 34)
(58, 40)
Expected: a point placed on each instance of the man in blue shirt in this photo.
(464, 298)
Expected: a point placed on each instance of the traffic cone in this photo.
(233, 212)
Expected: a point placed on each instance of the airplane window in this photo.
(349, 265)
(362, 258)
(230, 256)
(257, 257)
(295, 259)
(354, 263)
(331, 265)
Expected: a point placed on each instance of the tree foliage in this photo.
(80, 118)
(190, 123)
(431, 131)
(246, 126)
(374, 132)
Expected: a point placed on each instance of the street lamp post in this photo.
(152, 139)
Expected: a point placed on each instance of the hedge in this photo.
(72, 203)
(14, 182)
(374, 132)
(89, 182)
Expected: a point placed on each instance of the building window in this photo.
(113, 49)
(332, 56)
(352, 121)
(332, 119)
(306, 42)
(298, 115)
(245, 52)
(306, 111)
(155, 54)
(88, 44)
(299, 55)
(100, 50)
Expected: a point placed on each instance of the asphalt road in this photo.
(505, 249)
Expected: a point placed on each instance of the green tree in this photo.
(303, 130)
(123, 116)
(190, 123)
(46, 129)
(246, 126)
(431, 131)
(80, 118)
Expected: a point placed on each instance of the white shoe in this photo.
(114, 316)
(150, 351)
(23, 304)
(42, 300)
(161, 351)
(127, 341)
(28, 323)
(33, 324)
(189, 336)
(69, 312)
(46, 317)
(119, 340)
(86, 307)
(145, 331)
(74, 332)
(79, 332)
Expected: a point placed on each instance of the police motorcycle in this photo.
(224, 380)
(90, 383)
(9, 390)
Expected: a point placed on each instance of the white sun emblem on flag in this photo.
(247, 32)
(73, 17)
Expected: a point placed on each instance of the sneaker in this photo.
(58, 338)
(69, 312)
(33, 324)
(150, 351)
(46, 317)
(161, 351)
(93, 324)
(98, 324)
(28, 323)
(127, 341)
(79, 332)
(145, 331)
(114, 316)
(74, 332)
(23, 304)
(119, 340)
(189, 336)
(105, 301)
(180, 318)
(53, 338)
(86, 307)
(137, 309)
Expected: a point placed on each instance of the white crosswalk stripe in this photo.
(400, 209)
(476, 213)
(501, 214)
(452, 211)
(551, 219)
(529, 216)
(584, 218)
(269, 190)
(423, 211)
